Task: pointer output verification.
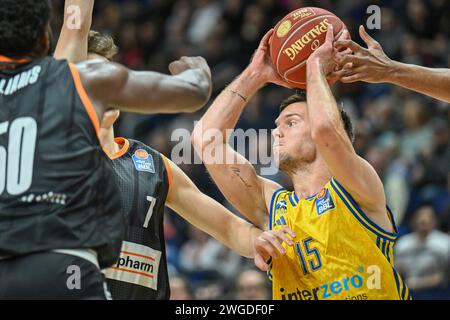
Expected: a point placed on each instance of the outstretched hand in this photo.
(369, 64)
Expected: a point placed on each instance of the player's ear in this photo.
(43, 46)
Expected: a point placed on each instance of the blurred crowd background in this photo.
(404, 135)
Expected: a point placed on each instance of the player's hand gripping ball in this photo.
(298, 35)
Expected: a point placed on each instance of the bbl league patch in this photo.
(143, 161)
(324, 202)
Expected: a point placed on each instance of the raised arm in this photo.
(374, 66)
(209, 215)
(233, 174)
(110, 84)
(327, 130)
(73, 39)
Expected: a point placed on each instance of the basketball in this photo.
(296, 36)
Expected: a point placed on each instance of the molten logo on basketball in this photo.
(307, 38)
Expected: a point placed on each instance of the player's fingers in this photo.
(289, 231)
(348, 44)
(281, 235)
(353, 78)
(273, 241)
(350, 58)
(177, 67)
(265, 248)
(330, 34)
(371, 42)
(345, 35)
(342, 71)
(265, 41)
(260, 263)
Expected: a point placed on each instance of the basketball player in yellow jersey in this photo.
(344, 232)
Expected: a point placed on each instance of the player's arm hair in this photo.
(111, 84)
(429, 81)
(210, 216)
(234, 175)
(354, 173)
(73, 40)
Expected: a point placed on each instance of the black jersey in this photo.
(144, 180)
(57, 188)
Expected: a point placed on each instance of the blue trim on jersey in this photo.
(397, 283)
(360, 215)
(383, 247)
(392, 219)
(312, 197)
(388, 252)
(275, 194)
(291, 200)
(404, 290)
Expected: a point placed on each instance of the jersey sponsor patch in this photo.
(143, 161)
(324, 202)
(137, 264)
(281, 207)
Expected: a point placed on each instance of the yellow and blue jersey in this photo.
(339, 253)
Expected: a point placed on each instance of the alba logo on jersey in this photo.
(143, 161)
(137, 264)
(324, 202)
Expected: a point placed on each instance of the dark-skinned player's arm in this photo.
(187, 89)
(355, 174)
(374, 66)
(237, 178)
(73, 39)
(210, 216)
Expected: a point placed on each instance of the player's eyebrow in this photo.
(289, 115)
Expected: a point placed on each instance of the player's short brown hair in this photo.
(300, 96)
(102, 44)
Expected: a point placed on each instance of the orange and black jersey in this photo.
(144, 179)
(57, 187)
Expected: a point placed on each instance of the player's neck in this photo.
(310, 179)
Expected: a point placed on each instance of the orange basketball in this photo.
(296, 36)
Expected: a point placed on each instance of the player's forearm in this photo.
(85, 7)
(322, 107)
(432, 82)
(73, 40)
(227, 108)
(243, 237)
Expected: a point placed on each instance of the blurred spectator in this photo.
(423, 257)
(179, 288)
(203, 258)
(252, 284)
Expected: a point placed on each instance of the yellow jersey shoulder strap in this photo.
(363, 219)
